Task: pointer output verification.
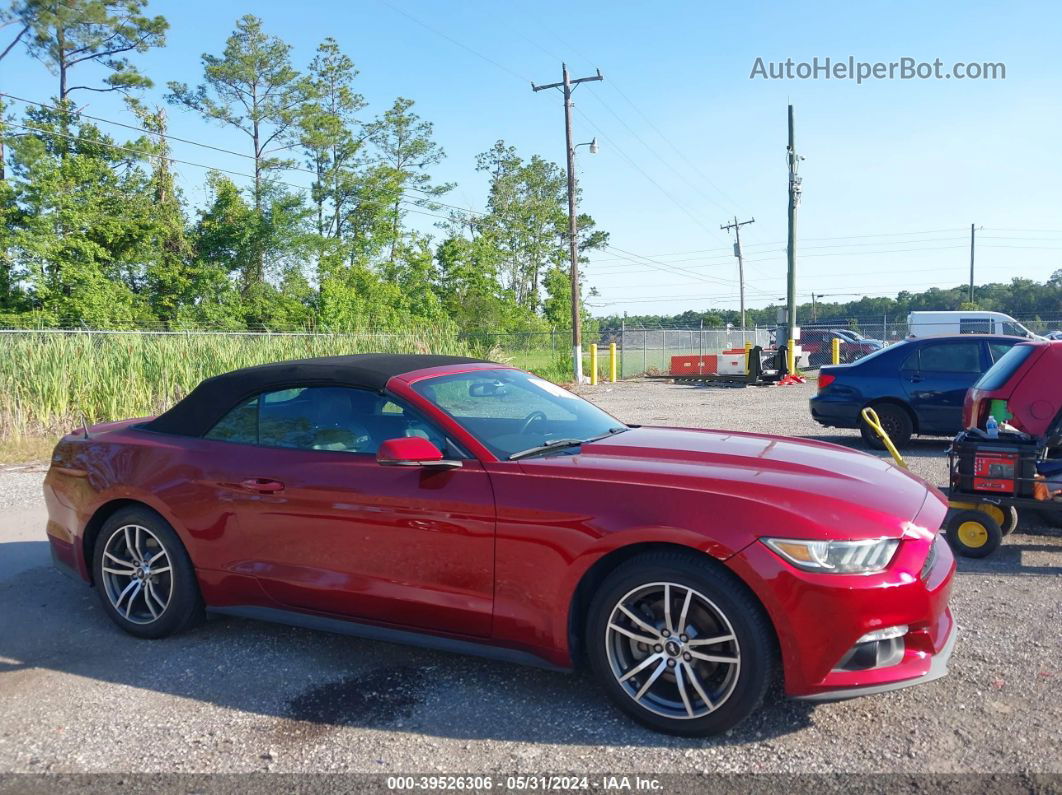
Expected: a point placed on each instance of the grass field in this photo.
(49, 380)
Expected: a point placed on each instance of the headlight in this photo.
(839, 557)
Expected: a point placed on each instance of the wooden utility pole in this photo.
(794, 201)
(741, 263)
(567, 85)
(970, 299)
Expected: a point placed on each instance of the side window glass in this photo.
(911, 362)
(319, 418)
(975, 325)
(338, 419)
(239, 425)
(961, 357)
(998, 349)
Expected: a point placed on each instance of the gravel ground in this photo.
(20, 486)
(77, 694)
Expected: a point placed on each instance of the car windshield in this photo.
(1000, 372)
(514, 413)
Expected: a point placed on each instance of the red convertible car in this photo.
(466, 505)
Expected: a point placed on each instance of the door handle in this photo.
(262, 485)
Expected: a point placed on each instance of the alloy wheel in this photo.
(672, 650)
(137, 574)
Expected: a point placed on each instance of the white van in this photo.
(941, 324)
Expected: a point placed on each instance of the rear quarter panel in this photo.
(161, 471)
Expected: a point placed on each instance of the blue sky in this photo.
(895, 171)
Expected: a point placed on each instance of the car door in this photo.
(936, 377)
(324, 527)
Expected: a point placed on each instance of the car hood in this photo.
(825, 485)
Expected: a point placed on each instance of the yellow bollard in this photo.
(612, 362)
(790, 357)
(593, 364)
(748, 350)
(835, 350)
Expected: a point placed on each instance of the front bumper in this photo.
(938, 667)
(818, 618)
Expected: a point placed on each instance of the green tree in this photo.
(104, 33)
(328, 125)
(170, 267)
(253, 88)
(527, 220)
(231, 237)
(83, 226)
(404, 146)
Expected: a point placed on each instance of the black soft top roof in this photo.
(200, 410)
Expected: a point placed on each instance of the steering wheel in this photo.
(533, 417)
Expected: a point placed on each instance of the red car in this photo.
(1028, 378)
(466, 505)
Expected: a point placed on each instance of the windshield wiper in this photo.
(606, 434)
(560, 444)
(556, 444)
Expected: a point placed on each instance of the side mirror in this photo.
(412, 451)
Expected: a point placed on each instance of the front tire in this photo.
(680, 644)
(145, 579)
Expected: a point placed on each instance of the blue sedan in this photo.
(915, 386)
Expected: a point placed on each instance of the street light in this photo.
(594, 148)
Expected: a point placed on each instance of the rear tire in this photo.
(702, 665)
(973, 534)
(144, 576)
(1010, 520)
(896, 422)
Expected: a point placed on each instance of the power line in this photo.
(142, 154)
(641, 171)
(683, 271)
(620, 270)
(870, 292)
(222, 150)
(455, 42)
(677, 151)
(811, 248)
(656, 154)
(652, 125)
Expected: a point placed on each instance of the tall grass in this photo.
(49, 380)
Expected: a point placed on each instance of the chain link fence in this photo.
(645, 350)
(649, 350)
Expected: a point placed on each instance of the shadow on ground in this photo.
(313, 683)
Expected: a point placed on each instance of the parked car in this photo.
(942, 324)
(1028, 381)
(856, 337)
(817, 344)
(915, 386)
(470, 506)
(1054, 335)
